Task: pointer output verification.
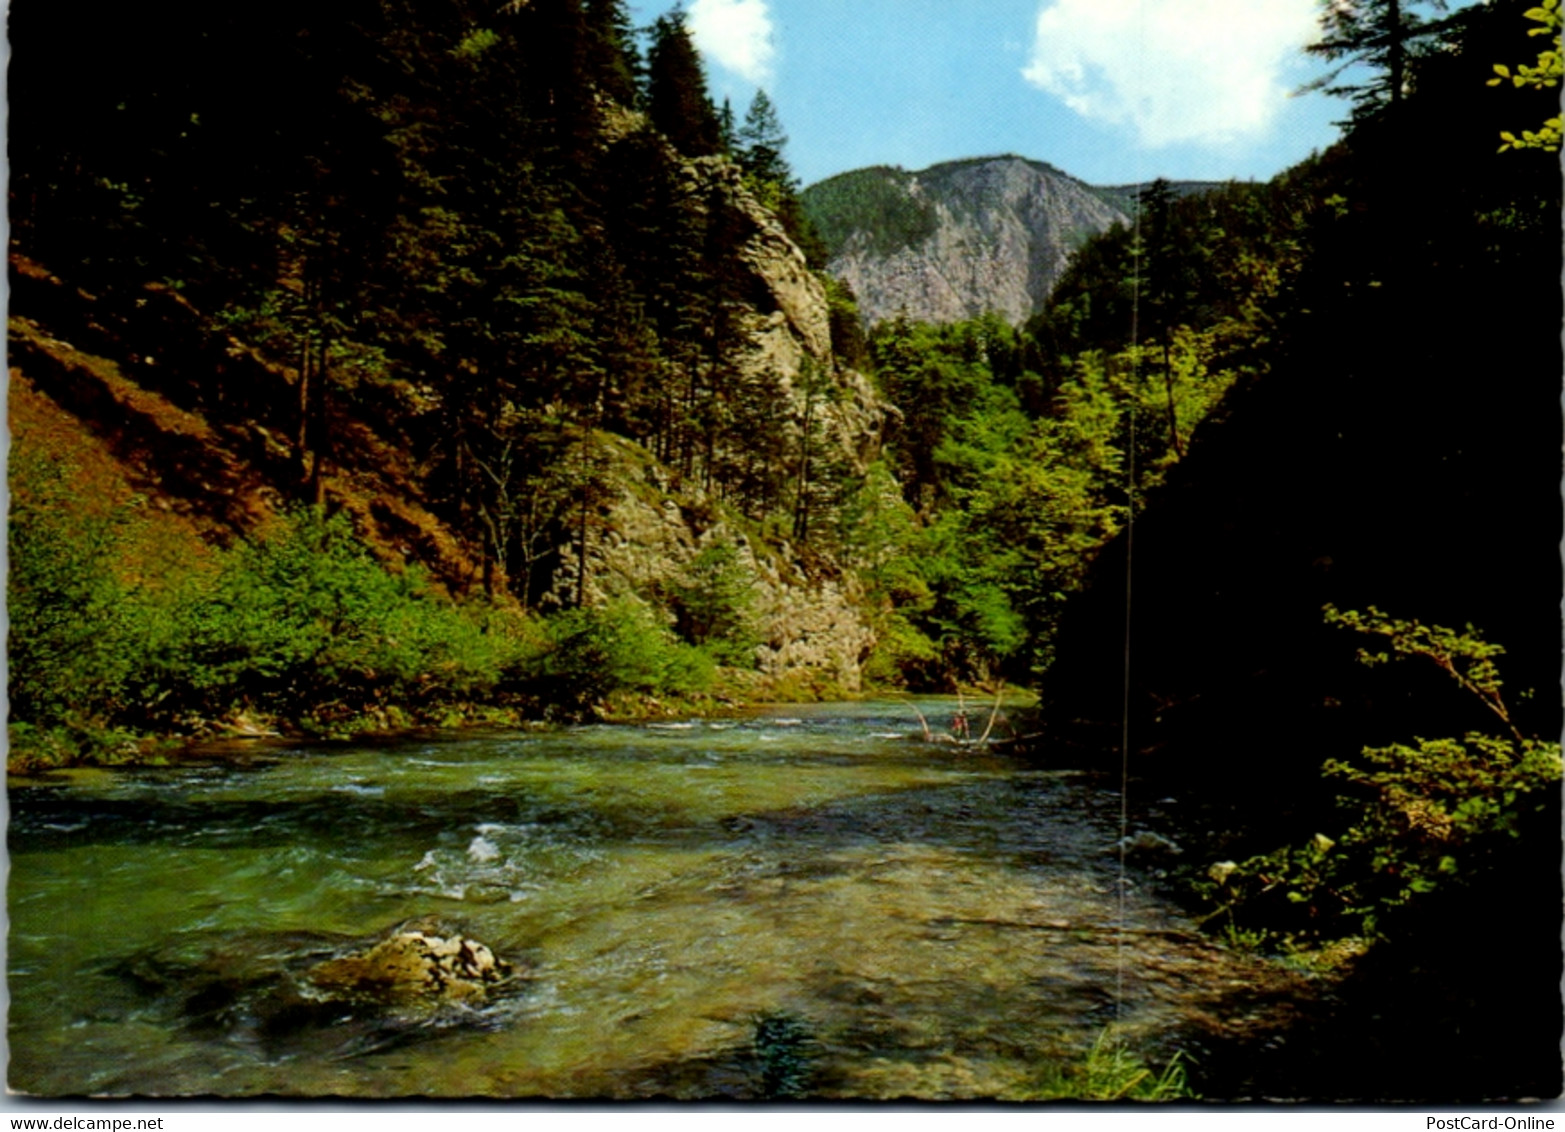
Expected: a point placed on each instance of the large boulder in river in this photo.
(413, 963)
(307, 995)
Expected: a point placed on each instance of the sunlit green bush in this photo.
(1112, 1071)
(81, 636)
(308, 618)
(622, 647)
(715, 605)
(1414, 818)
(301, 624)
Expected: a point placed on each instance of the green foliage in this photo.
(1216, 262)
(475, 43)
(759, 145)
(445, 226)
(878, 536)
(715, 605)
(1372, 43)
(677, 96)
(302, 625)
(848, 342)
(932, 554)
(1464, 657)
(1111, 1071)
(73, 648)
(869, 200)
(307, 618)
(1545, 73)
(1415, 818)
(1013, 490)
(594, 653)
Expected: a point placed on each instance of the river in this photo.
(804, 900)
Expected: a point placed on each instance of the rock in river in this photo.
(413, 963)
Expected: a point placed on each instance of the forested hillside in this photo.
(518, 306)
(507, 319)
(1401, 454)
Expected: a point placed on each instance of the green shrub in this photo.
(81, 636)
(902, 655)
(1416, 818)
(304, 624)
(593, 653)
(715, 605)
(307, 619)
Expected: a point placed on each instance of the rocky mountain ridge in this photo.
(962, 238)
(956, 240)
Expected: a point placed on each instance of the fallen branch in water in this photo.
(928, 736)
(995, 713)
(960, 740)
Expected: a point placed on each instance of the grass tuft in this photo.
(1111, 1071)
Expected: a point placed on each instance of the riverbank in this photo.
(735, 691)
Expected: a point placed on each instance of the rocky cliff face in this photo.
(654, 523)
(955, 240)
(652, 528)
(786, 327)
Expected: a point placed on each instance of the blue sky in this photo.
(1111, 91)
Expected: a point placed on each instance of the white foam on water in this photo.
(481, 850)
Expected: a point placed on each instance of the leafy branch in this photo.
(1464, 657)
(1417, 817)
(1547, 72)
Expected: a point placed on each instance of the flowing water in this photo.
(807, 900)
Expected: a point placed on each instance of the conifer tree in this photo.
(613, 63)
(1169, 271)
(1382, 35)
(727, 130)
(677, 96)
(761, 142)
(759, 146)
(557, 69)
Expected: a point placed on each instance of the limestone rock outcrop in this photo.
(809, 621)
(968, 237)
(652, 522)
(786, 326)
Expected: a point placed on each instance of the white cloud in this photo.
(1204, 71)
(737, 34)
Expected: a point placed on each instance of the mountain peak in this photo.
(956, 239)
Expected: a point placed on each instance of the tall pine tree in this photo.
(1380, 35)
(677, 97)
